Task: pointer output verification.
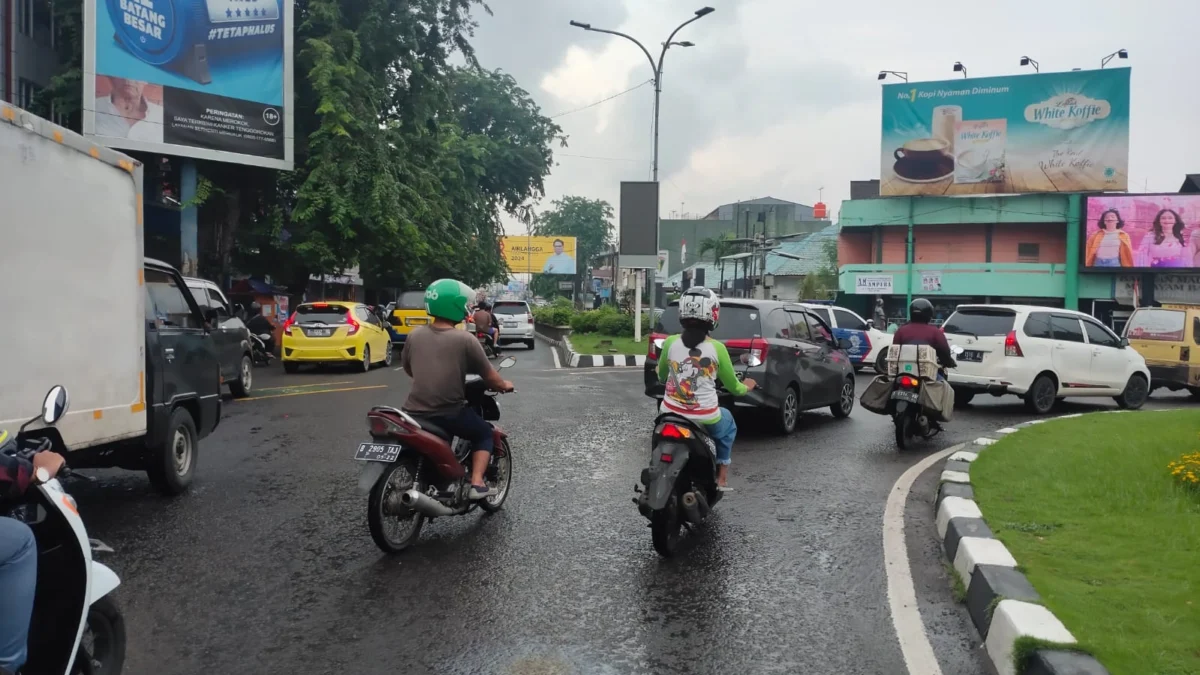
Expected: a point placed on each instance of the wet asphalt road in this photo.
(266, 565)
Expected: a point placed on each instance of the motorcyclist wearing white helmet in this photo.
(690, 364)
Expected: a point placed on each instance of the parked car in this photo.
(868, 344)
(407, 313)
(1042, 354)
(1165, 336)
(516, 322)
(335, 332)
(787, 349)
(230, 335)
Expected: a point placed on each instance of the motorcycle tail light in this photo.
(666, 457)
(675, 431)
(908, 382)
(382, 427)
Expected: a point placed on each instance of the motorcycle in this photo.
(258, 349)
(414, 471)
(909, 417)
(490, 347)
(681, 481)
(76, 625)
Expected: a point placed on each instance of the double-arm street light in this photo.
(656, 68)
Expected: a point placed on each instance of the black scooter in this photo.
(680, 483)
(908, 415)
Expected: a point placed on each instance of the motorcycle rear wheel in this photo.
(397, 478)
(665, 527)
(102, 650)
(903, 431)
(503, 469)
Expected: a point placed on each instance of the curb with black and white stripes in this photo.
(573, 359)
(1002, 603)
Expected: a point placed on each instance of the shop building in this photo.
(1021, 249)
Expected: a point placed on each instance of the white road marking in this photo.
(554, 353)
(902, 594)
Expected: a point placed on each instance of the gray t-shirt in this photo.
(439, 360)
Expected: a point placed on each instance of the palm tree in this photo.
(720, 247)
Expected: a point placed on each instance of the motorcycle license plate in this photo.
(377, 452)
(910, 396)
(318, 332)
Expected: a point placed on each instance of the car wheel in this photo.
(789, 411)
(291, 367)
(389, 353)
(1195, 392)
(366, 360)
(962, 398)
(530, 343)
(1042, 395)
(173, 464)
(1137, 390)
(881, 361)
(240, 387)
(845, 404)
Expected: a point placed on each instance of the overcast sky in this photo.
(780, 97)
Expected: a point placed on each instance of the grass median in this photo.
(1106, 535)
(595, 343)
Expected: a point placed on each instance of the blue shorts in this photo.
(467, 424)
(723, 433)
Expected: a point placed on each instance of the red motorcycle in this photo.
(414, 471)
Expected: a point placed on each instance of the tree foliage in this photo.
(589, 221)
(404, 162)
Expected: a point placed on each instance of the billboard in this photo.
(539, 255)
(639, 225)
(210, 79)
(1049, 132)
(1150, 232)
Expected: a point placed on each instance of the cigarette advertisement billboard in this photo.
(539, 255)
(210, 79)
(1049, 132)
(1147, 232)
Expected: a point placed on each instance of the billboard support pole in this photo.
(1074, 207)
(909, 259)
(637, 305)
(189, 247)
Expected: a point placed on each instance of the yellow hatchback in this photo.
(335, 332)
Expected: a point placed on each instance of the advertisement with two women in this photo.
(1142, 232)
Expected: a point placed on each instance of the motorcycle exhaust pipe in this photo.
(423, 503)
(691, 508)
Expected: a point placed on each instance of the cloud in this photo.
(780, 98)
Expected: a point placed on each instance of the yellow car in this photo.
(407, 314)
(335, 332)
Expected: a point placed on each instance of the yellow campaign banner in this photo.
(539, 255)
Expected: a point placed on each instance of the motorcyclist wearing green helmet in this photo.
(438, 358)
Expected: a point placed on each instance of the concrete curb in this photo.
(573, 359)
(1002, 603)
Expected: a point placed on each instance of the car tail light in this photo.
(353, 323)
(907, 382)
(656, 343)
(287, 325)
(530, 317)
(1011, 346)
(755, 348)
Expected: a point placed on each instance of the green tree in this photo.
(588, 220)
(822, 284)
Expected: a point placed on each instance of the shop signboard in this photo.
(1171, 289)
(873, 284)
(210, 79)
(931, 282)
(664, 267)
(1146, 232)
(539, 255)
(1046, 132)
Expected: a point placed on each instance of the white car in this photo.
(868, 344)
(516, 322)
(1042, 354)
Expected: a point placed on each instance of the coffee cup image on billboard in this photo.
(129, 109)
(183, 35)
(923, 160)
(560, 262)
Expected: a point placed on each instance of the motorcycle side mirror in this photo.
(55, 405)
(750, 360)
(956, 350)
(508, 363)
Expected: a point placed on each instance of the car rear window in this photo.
(737, 322)
(320, 313)
(980, 322)
(510, 308)
(411, 300)
(1153, 323)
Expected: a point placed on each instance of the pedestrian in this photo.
(880, 314)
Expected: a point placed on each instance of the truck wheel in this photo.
(240, 387)
(173, 464)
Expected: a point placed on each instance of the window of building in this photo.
(24, 16)
(1029, 253)
(26, 92)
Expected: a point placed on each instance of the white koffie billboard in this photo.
(210, 79)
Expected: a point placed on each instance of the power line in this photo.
(603, 100)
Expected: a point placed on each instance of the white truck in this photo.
(89, 312)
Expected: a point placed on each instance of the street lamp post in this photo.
(656, 68)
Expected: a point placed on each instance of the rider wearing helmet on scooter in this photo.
(18, 554)
(690, 364)
(438, 358)
(918, 331)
